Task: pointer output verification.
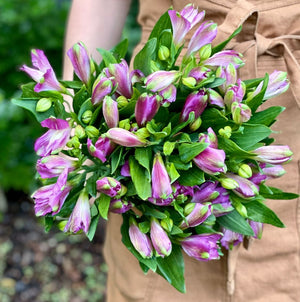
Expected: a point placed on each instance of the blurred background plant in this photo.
(35, 266)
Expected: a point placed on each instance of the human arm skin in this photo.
(97, 23)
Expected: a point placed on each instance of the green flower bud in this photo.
(73, 143)
(195, 125)
(225, 132)
(80, 132)
(163, 53)
(87, 116)
(245, 171)
(205, 52)
(188, 209)
(167, 224)
(43, 105)
(125, 124)
(228, 183)
(122, 101)
(189, 82)
(91, 131)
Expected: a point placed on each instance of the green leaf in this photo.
(144, 157)
(258, 99)
(275, 193)
(103, 202)
(266, 117)
(93, 227)
(222, 45)
(162, 24)
(217, 82)
(235, 222)
(107, 56)
(213, 117)
(172, 172)
(79, 98)
(72, 84)
(192, 177)
(151, 263)
(140, 179)
(179, 164)
(120, 49)
(172, 268)
(252, 82)
(148, 211)
(180, 126)
(48, 223)
(143, 58)
(91, 185)
(251, 135)
(188, 151)
(115, 159)
(259, 212)
(30, 105)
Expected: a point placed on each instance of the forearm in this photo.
(97, 23)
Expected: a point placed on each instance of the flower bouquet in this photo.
(176, 146)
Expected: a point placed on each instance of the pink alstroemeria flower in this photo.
(81, 61)
(224, 58)
(54, 165)
(42, 73)
(197, 215)
(110, 112)
(161, 79)
(273, 154)
(54, 139)
(102, 148)
(101, 88)
(125, 138)
(80, 218)
(202, 247)
(50, 198)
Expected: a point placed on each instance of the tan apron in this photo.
(270, 270)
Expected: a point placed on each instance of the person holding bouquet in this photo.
(270, 39)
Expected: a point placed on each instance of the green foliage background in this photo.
(25, 25)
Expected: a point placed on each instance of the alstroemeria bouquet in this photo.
(176, 146)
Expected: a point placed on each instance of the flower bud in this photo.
(110, 112)
(257, 228)
(273, 154)
(43, 105)
(161, 79)
(230, 239)
(122, 101)
(101, 88)
(125, 124)
(125, 138)
(102, 148)
(119, 206)
(189, 82)
(228, 183)
(73, 142)
(245, 171)
(246, 188)
(139, 240)
(205, 52)
(92, 131)
(235, 93)
(167, 224)
(225, 132)
(273, 171)
(241, 113)
(214, 98)
(195, 125)
(109, 186)
(87, 116)
(163, 53)
(79, 132)
(159, 238)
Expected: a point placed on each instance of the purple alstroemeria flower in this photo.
(119, 206)
(102, 148)
(110, 112)
(273, 154)
(273, 171)
(206, 192)
(246, 188)
(202, 247)
(235, 93)
(200, 73)
(182, 190)
(230, 239)
(125, 138)
(192, 14)
(160, 239)
(228, 73)
(50, 198)
(222, 200)
(199, 213)
(82, 63)
(101, 88)
(214, 98)
(145, 108)
(42, 73)
(257, 228)
(109, 186)
(168, 94)
(195, 102)
(54, 165)
(180, 26)
(161, 79)
(140, 241)
(161, 183)
(258, 178)
(122, 78)
(55, 139)
(210, 138)
(125, 169)
(211, 161)
(278, 84)
(205, 34)
(241, 113)
(224, 58)
(80, 218)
